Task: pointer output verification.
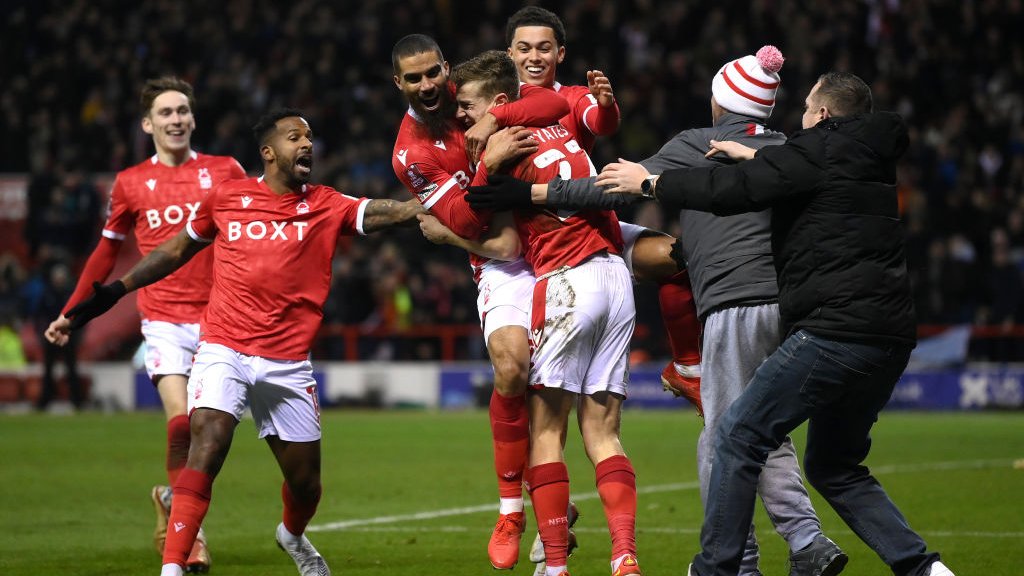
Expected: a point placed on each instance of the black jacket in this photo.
(837, 239)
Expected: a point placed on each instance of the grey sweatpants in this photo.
(736, 341)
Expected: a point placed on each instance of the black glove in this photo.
(502, 192)
(103, 298)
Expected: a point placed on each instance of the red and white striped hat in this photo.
(748, 85)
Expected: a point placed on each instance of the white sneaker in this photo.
(307, 559)
(939, 569)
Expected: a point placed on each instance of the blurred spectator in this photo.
(12, 354)
(63, 213)
(955, 70)
(46, 294)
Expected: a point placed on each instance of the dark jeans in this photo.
(839, 387)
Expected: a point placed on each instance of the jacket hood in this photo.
(883, 132)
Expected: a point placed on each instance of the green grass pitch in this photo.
(412, 493)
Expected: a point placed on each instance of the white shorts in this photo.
(170, 347)
(282, 394)
(505, 293)
(582, 323)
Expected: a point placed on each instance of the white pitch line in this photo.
(674, 487)
(666, 530)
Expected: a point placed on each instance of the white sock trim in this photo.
(510, 505)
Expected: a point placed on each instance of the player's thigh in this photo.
(172, 389)
(652, 257)
(221, 380)
(285, 400)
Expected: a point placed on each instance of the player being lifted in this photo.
(430, 160)
(536, 42)
(581, 323)
(155, 198)
(275, 238)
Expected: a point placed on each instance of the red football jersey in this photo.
(272, 258)
(552, 239)
(438, 171)
(157, 200)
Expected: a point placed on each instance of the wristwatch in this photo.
(647, 186)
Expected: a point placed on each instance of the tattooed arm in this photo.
(162, 261)
(380, 214)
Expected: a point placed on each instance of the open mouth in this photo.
(534, 71)
(304, 163)
(431, 103)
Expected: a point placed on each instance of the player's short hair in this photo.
(495, 71)
(157, 86)
(267, 124)
(535, 16)
(844, 94)
(412, 45)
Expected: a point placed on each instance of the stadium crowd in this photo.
(953, 70)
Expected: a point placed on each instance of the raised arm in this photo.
(159, 263)
(163, 260)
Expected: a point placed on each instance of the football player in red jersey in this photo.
(155, 198)
(275, 238)
(536, 42)
(430, 160)
(581, 323)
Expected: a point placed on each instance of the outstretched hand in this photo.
(622, 177)
(433, 230)
(733, 150)
(103, 298)
(600, 88)
(508, 146)
(502, 192)
(59, 331)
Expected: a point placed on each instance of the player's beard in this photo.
(438, 122)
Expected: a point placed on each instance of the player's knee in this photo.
(510, 374)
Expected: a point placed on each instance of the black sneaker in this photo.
(822, 557)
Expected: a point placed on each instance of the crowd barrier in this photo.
(118, 386)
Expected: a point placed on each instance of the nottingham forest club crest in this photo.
(205, 181)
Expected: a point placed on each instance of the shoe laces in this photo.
(507, 527)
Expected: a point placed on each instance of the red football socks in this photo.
(549, 491)
(191, 501)
(679, 314)
(297, 514)
(616, 483)
(179, 437)
(510, 430)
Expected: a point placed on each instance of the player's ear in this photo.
(267, 153)
(501, 99)
(147, 124)
(398, 83)
(561, 54)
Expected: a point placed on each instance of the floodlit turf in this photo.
(75, 497)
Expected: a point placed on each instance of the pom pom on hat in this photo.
(770, 59)
(748, 85)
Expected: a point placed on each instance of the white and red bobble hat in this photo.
(748, 85)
